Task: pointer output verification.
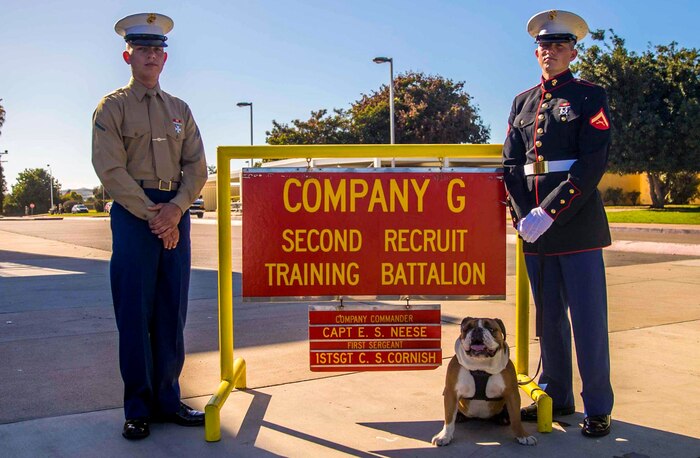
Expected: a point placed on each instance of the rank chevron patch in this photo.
(599, 121)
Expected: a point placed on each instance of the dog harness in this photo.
(481, 378)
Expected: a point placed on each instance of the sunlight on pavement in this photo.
(11, 269)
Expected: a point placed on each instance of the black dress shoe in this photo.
(136, 429)
(529, 413)
(185, 416)
(596, 426)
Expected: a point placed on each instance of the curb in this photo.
(31, 218)
(657, 228)
(618, 227)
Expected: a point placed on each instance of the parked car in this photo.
(108, 206)
(79, 208)
(197, 208)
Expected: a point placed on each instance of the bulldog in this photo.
(481, 380)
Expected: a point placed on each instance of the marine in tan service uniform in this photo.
(555, 154)
(148, 153)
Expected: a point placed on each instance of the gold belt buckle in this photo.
(540, 168)
(161, 188)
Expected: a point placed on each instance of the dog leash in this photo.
(539, 289)
(532, 379)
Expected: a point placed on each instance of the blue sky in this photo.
(58, 58)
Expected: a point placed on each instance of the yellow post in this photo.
(230, 376)
(522, 338)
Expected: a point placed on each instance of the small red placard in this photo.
(358, 338)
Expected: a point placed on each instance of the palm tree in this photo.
(2, 116)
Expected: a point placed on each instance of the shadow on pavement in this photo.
(59, 339)
(254, 421)
(482, 438)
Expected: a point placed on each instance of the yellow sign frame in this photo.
(233, 371)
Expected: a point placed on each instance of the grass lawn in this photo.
(671, 214)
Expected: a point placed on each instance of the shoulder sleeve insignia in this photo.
(600, 121)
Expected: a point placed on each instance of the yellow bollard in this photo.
(212, 412)
(544, 403)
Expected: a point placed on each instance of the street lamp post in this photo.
(249, 104)
(50, 186)
(383, 60)
(1, 181)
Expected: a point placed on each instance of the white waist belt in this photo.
(542, 167)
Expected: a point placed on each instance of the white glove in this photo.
(534, 224)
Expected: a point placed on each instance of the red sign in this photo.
(373, 233)
(359, 338)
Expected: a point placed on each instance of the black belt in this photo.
(159, 184)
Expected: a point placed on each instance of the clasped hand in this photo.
(534, 224)
(164, 224)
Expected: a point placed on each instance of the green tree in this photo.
(655, 108)
(2, 116)
(427, 109)
(320, 128)
(10, 207)
(97, 192)
(99, 198)
(33, 187)
(70, 196)
(211, 169)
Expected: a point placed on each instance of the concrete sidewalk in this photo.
(61, 392)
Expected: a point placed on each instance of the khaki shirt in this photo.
(122, 153)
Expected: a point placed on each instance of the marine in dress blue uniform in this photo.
(149, 155)
(554, 155)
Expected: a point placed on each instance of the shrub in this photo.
(682, 187)
(11, 207)
(68, 205)
(613, 196)
(633, 196)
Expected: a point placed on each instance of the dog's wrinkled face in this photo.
(482, 337)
